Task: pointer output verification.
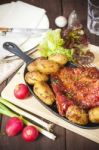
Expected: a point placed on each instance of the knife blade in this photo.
(29, 31)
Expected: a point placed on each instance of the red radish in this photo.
(14, 126)
(21, 91)
(30, 133)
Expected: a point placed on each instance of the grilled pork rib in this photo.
(78, 86)
(62, 101)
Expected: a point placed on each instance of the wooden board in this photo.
(32, 105)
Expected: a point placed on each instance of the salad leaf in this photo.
(53, 44)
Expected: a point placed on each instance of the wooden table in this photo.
(66, 140)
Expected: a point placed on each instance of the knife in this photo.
(28, 31)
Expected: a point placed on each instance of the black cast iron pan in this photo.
(11, 47)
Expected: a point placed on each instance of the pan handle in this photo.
(11, 47)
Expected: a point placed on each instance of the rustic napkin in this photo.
(6, 69)
(20, 15)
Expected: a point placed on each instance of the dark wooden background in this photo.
(66, 140)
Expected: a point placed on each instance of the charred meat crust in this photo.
(79, 85)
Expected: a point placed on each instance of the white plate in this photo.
(25, 43)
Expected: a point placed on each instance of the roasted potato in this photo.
(33, 65)
(47, 66)
(94, 115)
(77, 115)
(59, 58)
(43, 91)
(32, 77)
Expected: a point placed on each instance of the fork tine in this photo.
(32, 50)
(91, 65)
(86, 65)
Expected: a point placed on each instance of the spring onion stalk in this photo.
(41, 130)
(42, 123)
(6, 111)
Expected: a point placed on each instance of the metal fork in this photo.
(87, 65)
(10, 59)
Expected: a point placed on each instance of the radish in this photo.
(8, 109)
(21, 91)
(14, 126)
(30, 133)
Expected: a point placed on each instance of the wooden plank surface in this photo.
(81, 8)
(1, 88)
(17, 143)
(66, 140)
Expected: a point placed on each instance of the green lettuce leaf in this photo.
(53, 44)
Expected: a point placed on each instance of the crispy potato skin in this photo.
(32, 77)
(43, 91)
(33, 65)
(77, 115)
(94, 115)
(59, 58)
(47, 66)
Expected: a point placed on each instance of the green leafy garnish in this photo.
(54, 44)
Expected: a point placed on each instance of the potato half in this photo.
(44, 92)
(77, 115)
(59, 58)
(94, 115)
(32, 77)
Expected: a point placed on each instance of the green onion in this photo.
(8, 112)
(27, 115)
(41, 130)
(5, 111)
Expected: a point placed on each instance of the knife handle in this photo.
(4, 29)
